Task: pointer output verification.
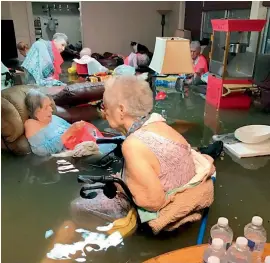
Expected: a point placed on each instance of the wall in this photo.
(21, 14)
(193, 18)
(5, 11)
(68, 21)
(174, 17)
(258, 11)
(110, 26)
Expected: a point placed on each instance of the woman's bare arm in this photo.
(141, 178)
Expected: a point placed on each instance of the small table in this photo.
(192, 254)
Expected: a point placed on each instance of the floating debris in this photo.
(235, 217)
(48, 233)
(80, 259)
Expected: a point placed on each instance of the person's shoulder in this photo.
(132, 145)
(203, 58)
(30, 122)
(30, 127)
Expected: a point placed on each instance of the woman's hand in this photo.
(77, 125)
(73, 128)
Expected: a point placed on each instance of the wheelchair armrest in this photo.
(91, 179)
(117, 141)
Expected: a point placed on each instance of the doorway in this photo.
(62, 17)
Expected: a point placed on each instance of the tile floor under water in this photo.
(35, 198)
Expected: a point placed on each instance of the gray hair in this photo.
(33, 101)
(133, 92)
(195, 45)
(85, 52)
(60, 37)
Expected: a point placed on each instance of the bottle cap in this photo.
(257, 221)
(241, 242)
(217, 243)
(267, 259)
(223, 221)
(213, 259)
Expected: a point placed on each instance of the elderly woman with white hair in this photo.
(43, 61)
(160, 170)
(158, 160)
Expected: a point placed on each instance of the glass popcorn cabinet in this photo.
(233, 55)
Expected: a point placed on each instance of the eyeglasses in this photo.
(102, 107)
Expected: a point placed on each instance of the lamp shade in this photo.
(172, 56)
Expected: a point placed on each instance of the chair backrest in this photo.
(14, 115)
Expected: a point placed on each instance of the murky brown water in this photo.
(35, 198)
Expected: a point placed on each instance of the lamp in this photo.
(172, 56)
(163, 13)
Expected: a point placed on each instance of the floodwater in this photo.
(36, 198)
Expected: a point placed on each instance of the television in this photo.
(8, 42)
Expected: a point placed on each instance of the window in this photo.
(239, 13)
(208, 16)
(266, 38)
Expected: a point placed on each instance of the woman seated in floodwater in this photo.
(169, 182)
(157, 158)
(44, 131)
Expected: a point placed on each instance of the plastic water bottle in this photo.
(213, 259)
(255, 233)
(164, 114)
(171, 84)
(239, 253)
(215, 249)
(223, 231)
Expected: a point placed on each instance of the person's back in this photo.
(170, 154)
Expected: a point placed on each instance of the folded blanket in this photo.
(82, 149)
(184, 207)
(184, 204)
(39, 65)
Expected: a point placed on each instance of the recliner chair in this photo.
(67, 99)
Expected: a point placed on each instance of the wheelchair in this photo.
(107, 183)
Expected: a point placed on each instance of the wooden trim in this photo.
(226, 5)
(225, 58)
(266, 3)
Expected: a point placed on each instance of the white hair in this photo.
(58, 37)
(195, 45)
(133, 92)
(85, 52)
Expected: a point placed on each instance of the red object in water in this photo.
(161, 95)
(236, 100)
(82, 134)
(81, 69)
(57, 62)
